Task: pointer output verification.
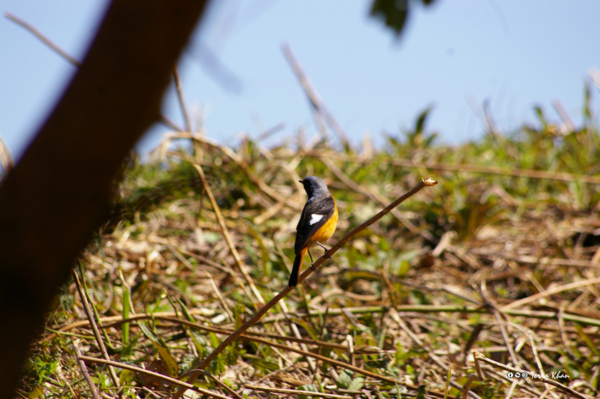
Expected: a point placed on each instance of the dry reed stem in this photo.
(43, 38)
(238, 161)
(163, 118)
(311, 363)
(112, 321)
(242, 164)
(313, 96)
(223, 385)
(376, 197)
(531, 174)
(549, 292)
(99, 341)
(213, 202)
(140, 370)
(536, 356)
(184, 110)
(538, 261)
(226, 235)
(258, 315)
(84, 371)
(297, 392)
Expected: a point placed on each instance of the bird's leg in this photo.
(311, 259)
(312, 262)
(322, 246)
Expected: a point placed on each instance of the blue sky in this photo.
(453, 56)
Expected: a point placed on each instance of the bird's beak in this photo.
(300, 181)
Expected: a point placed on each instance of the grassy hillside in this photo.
(502, 257)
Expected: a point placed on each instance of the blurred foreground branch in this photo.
(57, 195)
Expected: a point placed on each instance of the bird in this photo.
(317, 223)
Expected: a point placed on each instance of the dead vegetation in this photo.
(501, 265)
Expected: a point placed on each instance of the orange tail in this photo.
(296, 269)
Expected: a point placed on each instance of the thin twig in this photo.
(338, 363)
(563, 334)
(225, 232)
(179, 88)
(222, 384)
(170, 124)
(140, 370)
(500, 322)
(532, 174)
(297, 392)
(549, 292)
(537, 261)
(376, 197)
(313, 96)
(239, 161)
(465, 388)
(258, 315)
(43, 38)
(88, 312)
(264, 135)
(544, 315)
(84, 371)
(536, 357)
(162, 118)
(226, 268)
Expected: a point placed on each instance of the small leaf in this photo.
(238, 313)
(264, 365)
(169, 360)
(356, 384)
(149, 334)
(403, 269)
(163, 351)
(125, 376)
(421, 392)
(308, 388)
(199, 342)
(344, 380)
(185, 311)
(38, 392)
(214, 341)
(392, 12)
(422, 118)
(309, 328)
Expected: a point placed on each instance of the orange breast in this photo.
(327, 230)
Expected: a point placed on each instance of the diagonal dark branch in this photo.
(258, 315)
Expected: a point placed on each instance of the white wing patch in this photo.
(314, 218)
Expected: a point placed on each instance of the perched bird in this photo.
(317, 223)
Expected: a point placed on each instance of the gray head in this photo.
(314, 186)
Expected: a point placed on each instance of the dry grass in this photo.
(505, 266)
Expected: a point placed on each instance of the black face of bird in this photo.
(314, 185)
